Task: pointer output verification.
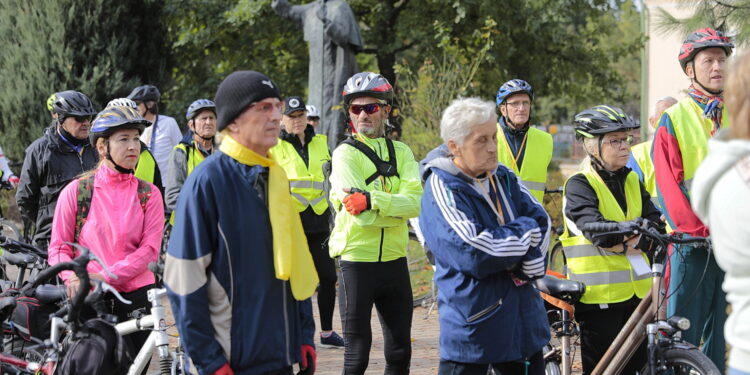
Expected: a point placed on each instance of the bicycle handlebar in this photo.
(17, 246)
(643, 227)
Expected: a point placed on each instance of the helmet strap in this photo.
(703, 87)
(512, 124)
(117, 167)
(706, 89)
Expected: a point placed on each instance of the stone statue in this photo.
(333, 39)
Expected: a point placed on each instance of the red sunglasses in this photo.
(371, 108)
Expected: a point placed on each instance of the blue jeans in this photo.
(533, 366)
(700, 300)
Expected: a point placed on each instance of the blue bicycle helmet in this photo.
(199, 105)
(511, 87)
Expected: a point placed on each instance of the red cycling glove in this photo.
(14, 181)
(309, 359)
(357, 201)
(223, 370)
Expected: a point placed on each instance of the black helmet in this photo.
(72, 103)
(602, 119)
(701, 39)
(145, 93)
(367, 84)
(116, 118)
(199, 105)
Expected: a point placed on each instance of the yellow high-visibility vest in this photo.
(692, 131)
(306, 182)
(193, 154)
(194, 157)
(608, 276)
(146, 168)
(536, 159)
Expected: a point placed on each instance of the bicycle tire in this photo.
(9, 229)
(557, 261)
(686, 361)
(551, 365)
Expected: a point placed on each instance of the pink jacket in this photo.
(116, 229)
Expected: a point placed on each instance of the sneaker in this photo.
(332, 341)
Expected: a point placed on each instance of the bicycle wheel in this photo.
(551, 365)
(557, 260)
(686, 361)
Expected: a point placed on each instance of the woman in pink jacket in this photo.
(117, 216)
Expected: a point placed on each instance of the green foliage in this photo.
(220, 36)
(442, 77)
(576, 53)
(728, 16)
(93, 46)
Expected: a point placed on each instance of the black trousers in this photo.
(533, 366)
(326, 267)
(385, 285)
(599, 327)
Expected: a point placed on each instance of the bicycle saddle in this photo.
(560, 288)
(18, 259)
(48, 293)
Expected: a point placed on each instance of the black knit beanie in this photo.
(239, 90)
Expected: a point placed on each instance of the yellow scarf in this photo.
(291, 256)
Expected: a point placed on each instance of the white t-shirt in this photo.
(167, 136)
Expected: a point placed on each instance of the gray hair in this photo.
(462, 115)
(664, 99)
(591, 145)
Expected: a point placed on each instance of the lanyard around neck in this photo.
(518, 154)
(498, 208)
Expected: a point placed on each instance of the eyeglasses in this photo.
(267, 107)
(371, 108)
(618, 142)
(515, 105)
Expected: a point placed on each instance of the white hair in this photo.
(462, 115)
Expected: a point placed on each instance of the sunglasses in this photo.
(82, 119)
(371, 108)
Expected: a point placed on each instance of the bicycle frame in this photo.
(158, 338)
(640, 325)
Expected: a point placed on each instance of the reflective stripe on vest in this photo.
(608, 276)
(533, 174)
(306, 182)
(692, 131)
(146, 168)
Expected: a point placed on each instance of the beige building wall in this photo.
(665, 76)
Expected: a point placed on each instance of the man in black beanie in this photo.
(240, 276)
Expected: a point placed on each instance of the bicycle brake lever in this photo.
(108, 288)
(93, 256)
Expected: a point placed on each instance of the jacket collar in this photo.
(508, 130)
(294, 139)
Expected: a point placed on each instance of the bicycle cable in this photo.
(703, 274)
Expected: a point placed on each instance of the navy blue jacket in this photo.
(226, 300)
(485, 317)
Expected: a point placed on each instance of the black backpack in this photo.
(382, 168)
(97, 348)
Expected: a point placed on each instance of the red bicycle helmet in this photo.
(701, 39)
